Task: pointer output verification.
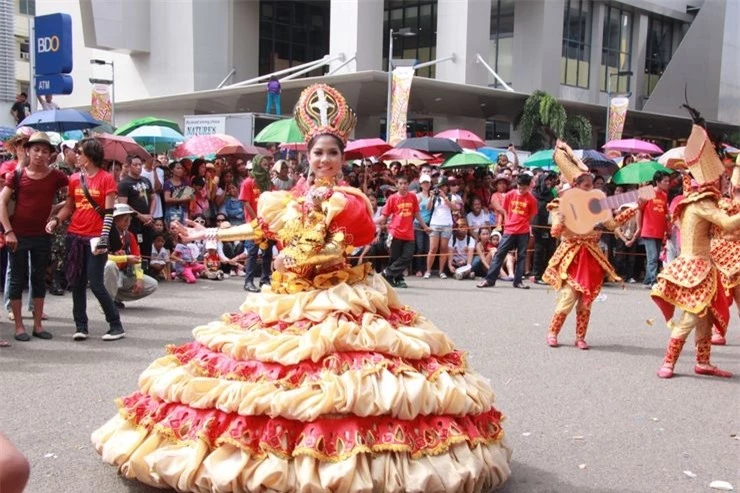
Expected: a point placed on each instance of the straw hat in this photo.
(40, 138)
(701, 158)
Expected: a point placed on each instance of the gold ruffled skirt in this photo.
(342, 390)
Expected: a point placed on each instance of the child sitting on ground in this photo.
(186, 266)
(212, 262)
(159, 264)
(484, 251)
(507, 270)
(462, 248)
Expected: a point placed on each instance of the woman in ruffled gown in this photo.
(324, 381)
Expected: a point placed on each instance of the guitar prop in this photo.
(583, 210)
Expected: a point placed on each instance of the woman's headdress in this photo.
(701, 157)
(569, 165)
(322, 110)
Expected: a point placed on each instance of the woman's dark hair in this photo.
(659, 175)
(93, 150)
(313, 140)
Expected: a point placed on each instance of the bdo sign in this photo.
(53, 44)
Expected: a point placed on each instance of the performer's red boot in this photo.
(582, 318)
(672, 353)
(558, 319)
(703, 367)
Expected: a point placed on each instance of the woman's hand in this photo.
(194, 232)
(51, 226)
(11, 241)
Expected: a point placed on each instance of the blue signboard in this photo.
(54, 84)
(53, 46)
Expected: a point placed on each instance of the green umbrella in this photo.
(147, 120)
(541, 159)
(467, 160)
(638, 173)
(283, 131)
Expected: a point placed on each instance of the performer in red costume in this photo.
(323, 381)
(692, 281)
(578, 267)
(725, 250)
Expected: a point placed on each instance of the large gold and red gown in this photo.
(725, 253)
(323, 382)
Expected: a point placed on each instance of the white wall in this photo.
(463, 29)
(356, 27)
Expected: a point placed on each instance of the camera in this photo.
(435, 190)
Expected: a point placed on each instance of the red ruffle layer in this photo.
(328, 439)
(250, 320)
(218, 365)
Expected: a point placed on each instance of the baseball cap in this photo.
(425, 179)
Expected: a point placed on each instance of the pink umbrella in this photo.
(464, 138)
(633, 146)
(119, 147)
(365, 148)
(215, 144)
(297, 146)
(407, 155)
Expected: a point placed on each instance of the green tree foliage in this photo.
(577, 132)
(544, 120)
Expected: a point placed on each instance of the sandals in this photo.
(4, 343)
(22, 337)
(484, 284)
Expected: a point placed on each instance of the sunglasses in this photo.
(200, 221)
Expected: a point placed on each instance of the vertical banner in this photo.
(100, 107)
(400, 91)
(617, 115)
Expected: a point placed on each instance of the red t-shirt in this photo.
(85, 220)
(520, 209)
(250, 192)
(34, 201)
(654, 214)
(402, 211)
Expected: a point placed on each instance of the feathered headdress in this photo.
(322, 110)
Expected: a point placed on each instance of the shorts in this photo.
(441, 232)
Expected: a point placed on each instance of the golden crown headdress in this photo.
(570, 166)
(701, 158)
(321, 110)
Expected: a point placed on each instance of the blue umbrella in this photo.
(6, 133)
(597, 162)
(158, 137)
(491, 153)
(60, 120)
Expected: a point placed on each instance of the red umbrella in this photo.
(118, 147)
(215, 144)
(365, 148)
(464, 138)
(407, 155)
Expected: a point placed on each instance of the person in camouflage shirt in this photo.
(67, 163)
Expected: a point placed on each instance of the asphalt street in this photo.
(593, 421)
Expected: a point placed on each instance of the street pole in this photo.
(113, 95)
(390, 83)
(608, 106)
(32, 59)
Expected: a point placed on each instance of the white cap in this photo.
(122, 210)
(211, 245)
(425, 178)
(69, 143)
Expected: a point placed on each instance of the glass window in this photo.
(616, 55)
(659, 49)
(497, 130)
(576, 54)
(420, 16)
(27, 7)
(500, 56)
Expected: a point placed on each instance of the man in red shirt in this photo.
(249, 194)
(653, 218)
(35, 188)
(519, 208)
(402, 207)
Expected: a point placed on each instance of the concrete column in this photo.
(537, 63)
(356, 28)
(463, 29)
(211, 42)
(597, 46)
(639, 53)
(245, 43)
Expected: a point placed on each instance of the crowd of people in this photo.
(465, 223)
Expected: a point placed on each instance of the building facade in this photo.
(172, 56)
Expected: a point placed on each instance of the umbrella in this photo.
(60, 120)
(6, 133)
(638, 173)
(297, 147)
(407, 156)
(673, 158)
(118, 147)
(212, 145)
(633, 146)
(730, 149)
(467, 160)
(541, 159)
(285, 131)
(491, 153)
(365, 148)
(161, 138)
(430, 145)
(597, 162)
(465, 138)
(147, 121)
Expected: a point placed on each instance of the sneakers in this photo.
(458, 276)
(114, 334)
(80, 335)
(389, 279)
(251, 287)
(119, 304)
(427, 275)
(442, 275)
(401, 283)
